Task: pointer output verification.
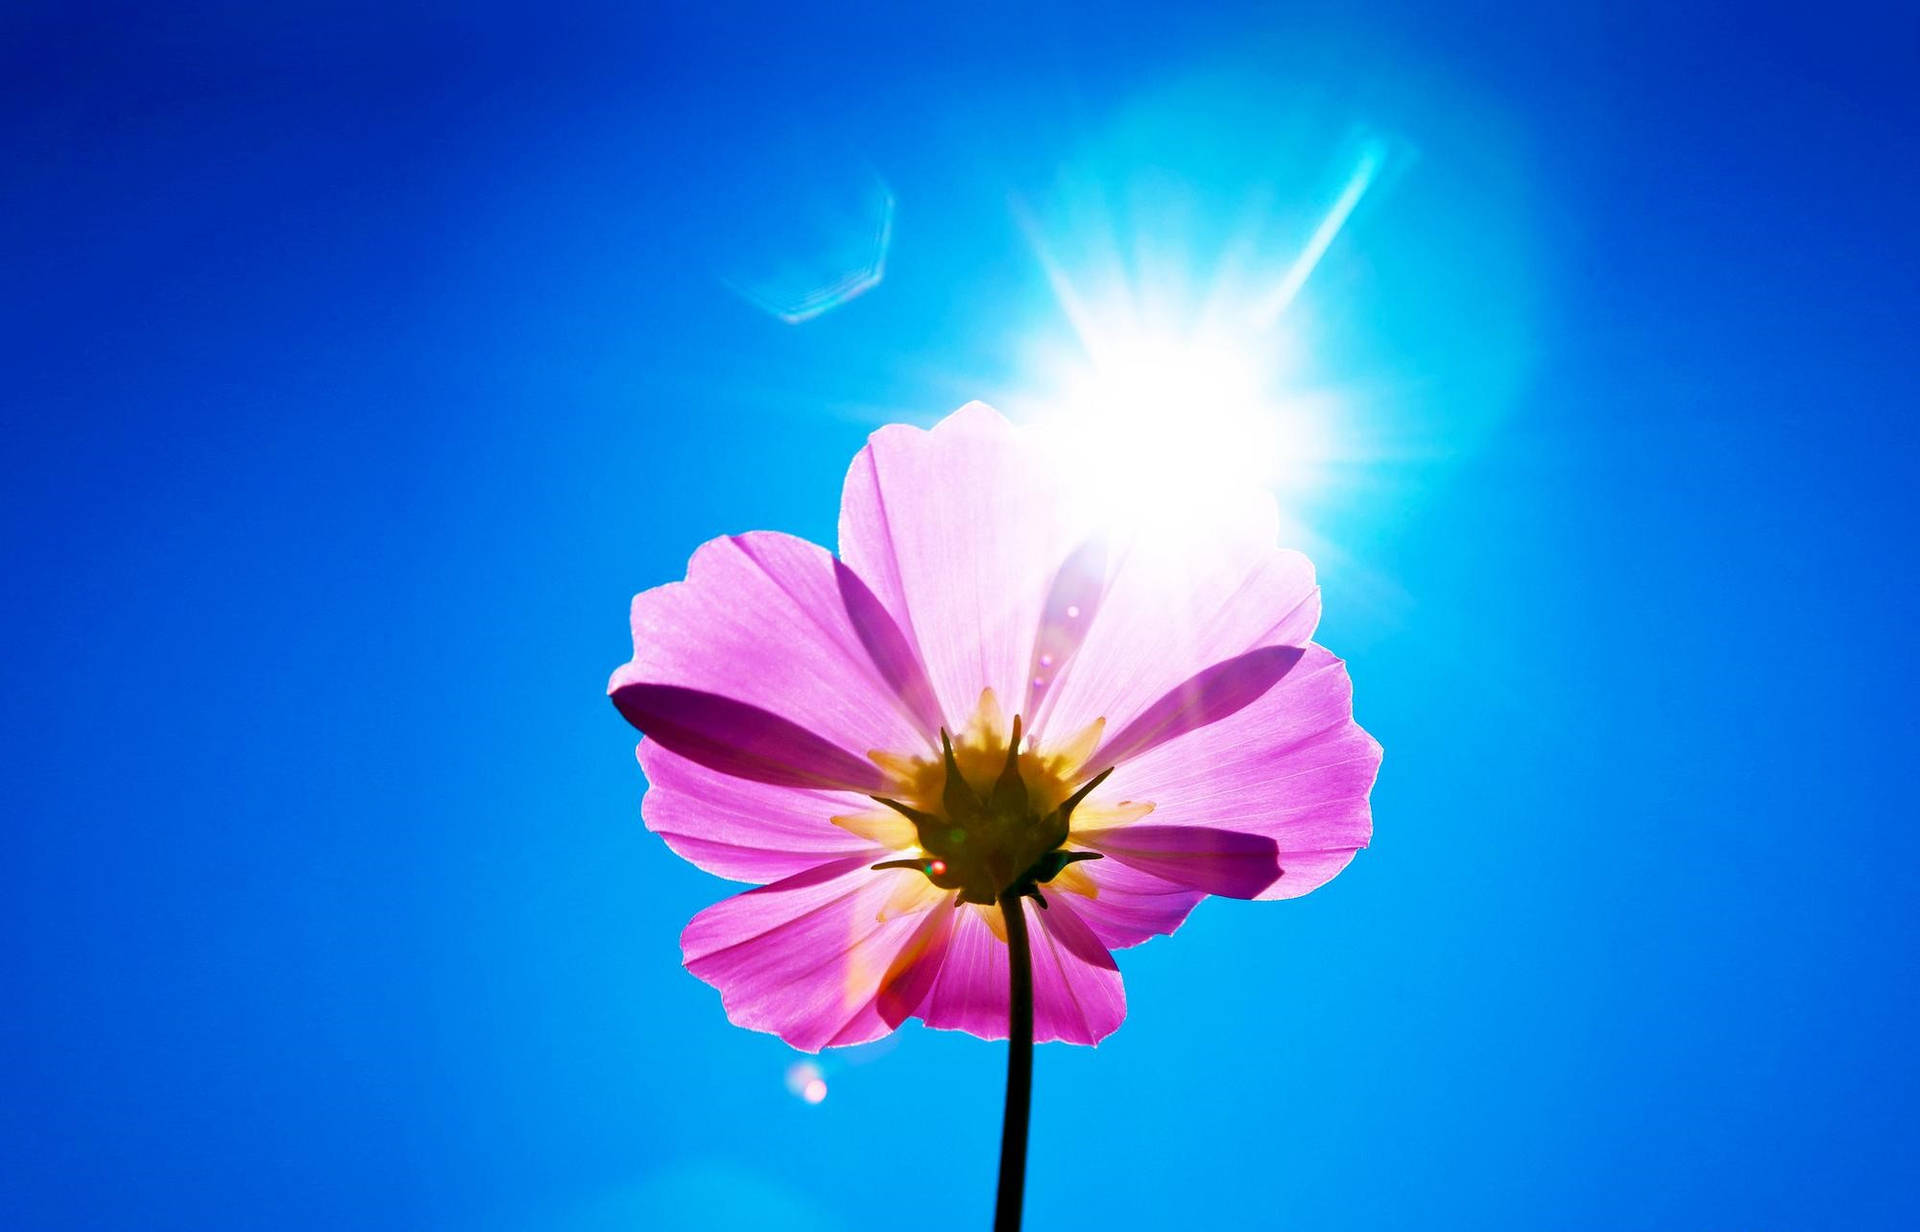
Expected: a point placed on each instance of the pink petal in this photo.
(1072, 601)
(1211, 695)
(737, 739)
(1131, 905)
(763, 664)
(1223, 862)
(959, 531)
(918, 965)
(970, 991)
(1077, 994)
(1178, 603)
(1292, 766)
(1078, 998)
(892, 654)
(748, 831)
(809, 958)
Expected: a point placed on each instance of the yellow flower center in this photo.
(988, 817)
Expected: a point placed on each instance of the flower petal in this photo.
(741, 740)
(1129, 905)
(918, 965)
(970, 992)
(1224, 862)
(763, 664)
(748, 831)
(808, 958)
(1209, 696)
(1292, 766)
(1077, 993)
(1179, 601)
(959, 531)
(895, 658)
(1072, 601)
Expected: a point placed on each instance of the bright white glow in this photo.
(1161, 433)
(1155, 427)
(1170, 409)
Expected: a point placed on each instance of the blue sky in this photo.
(362, 363)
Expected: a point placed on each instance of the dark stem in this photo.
(1013, 1126)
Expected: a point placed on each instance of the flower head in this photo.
(981, 698)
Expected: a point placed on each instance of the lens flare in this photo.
(805, 1081)
(810, 229)
(1373, 154)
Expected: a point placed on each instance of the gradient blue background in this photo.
(359, 365)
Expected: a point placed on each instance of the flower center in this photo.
(986, 837)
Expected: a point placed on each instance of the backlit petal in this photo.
(763, 664)
(738, 739)
(917, 966)
(748, 831)
(1177, 604)
(1223, 862)
(1292, 766)
(960, 532)
(1129, 905)
(1077, 992)
(809, 958)
(1208, 697)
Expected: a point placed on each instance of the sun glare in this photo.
(1169, 403)
(1153, 425)
(1161, 430)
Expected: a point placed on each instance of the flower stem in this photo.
(1013, 1125)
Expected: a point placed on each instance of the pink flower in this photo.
(978, 697)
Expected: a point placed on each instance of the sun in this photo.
(1158, 429)
(1177, 393)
